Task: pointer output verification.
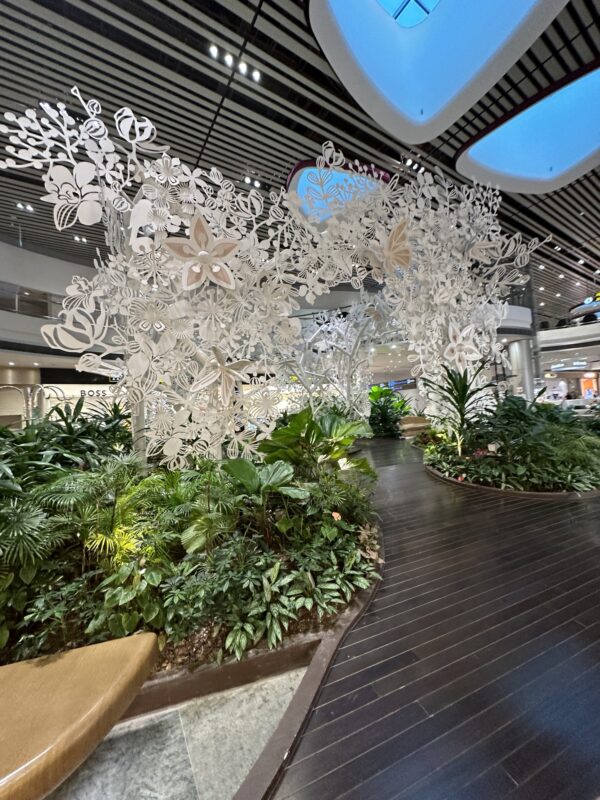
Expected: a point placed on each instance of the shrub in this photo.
(387, 409)
(248, 549)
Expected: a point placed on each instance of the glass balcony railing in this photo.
(30, 302)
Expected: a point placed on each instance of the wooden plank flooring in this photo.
(474, 673)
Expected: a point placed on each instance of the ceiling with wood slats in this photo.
(153, 55)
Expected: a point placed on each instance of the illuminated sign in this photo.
(590, 305)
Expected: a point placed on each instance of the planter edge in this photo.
(513, 492)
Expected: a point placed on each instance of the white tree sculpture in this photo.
(194, 300)
(332, 365)
(439, 253)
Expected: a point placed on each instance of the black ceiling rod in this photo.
(227, 91)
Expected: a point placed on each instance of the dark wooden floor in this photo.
(475, 672)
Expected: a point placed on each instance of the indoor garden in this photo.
(215, 557)
(508, 442)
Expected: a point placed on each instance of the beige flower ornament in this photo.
(397, 250)
(203, 256)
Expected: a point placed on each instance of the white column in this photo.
(521, 361)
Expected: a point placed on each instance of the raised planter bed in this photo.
(513, 492)
(314, 650)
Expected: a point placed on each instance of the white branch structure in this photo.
(195, 299)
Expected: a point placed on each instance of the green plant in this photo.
(387, 409)
(315, 445)
(461, 398)
(249, 550)
(523, 445)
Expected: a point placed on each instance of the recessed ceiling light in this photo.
(29, 207)
(415, 165)
(255, 75)
(557, 294)
(422, 169)
(408, 162)
(580, 261)
(541, 266)
(505, 340)
(557, 248)
(577, 284)
(542, 304)
(247, 179)
(597, 272)
(542, 289)
(257, 184)
(214, 50)
(36, 363)
(84, 240)
(582, 213)
(26, 294)
(20, 206)
(561, 276)
(243, 67)
(11, 363)
(77, 238)
(228, 59)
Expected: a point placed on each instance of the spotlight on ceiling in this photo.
(541, 266)
(20, 206)
(561, 276)
(84, 240)
(542, 304)
(243, 67)
(36, 363)
(255, 75)
(29, 207)
(11, 363)
(214, 50)
(505, 340)
(77, 238)
(557, 294)
(577, 284)
(257, 184)
(422, 169)
(541, 288)
(228, 59)
(580, 261)
(557, 248)
(408, 162)
(247, 179)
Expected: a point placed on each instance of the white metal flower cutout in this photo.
(461, 349)
(227, 374)
(204, 256)
(74, 195)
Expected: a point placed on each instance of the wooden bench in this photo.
(410, 426)
(55, 710)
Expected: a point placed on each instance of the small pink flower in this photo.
(461, 478)
(336, 515)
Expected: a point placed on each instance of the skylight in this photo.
(417, 65)
(409, 13)
(545, 146)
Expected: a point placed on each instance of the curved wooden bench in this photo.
(55, 710)
(411, 425)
